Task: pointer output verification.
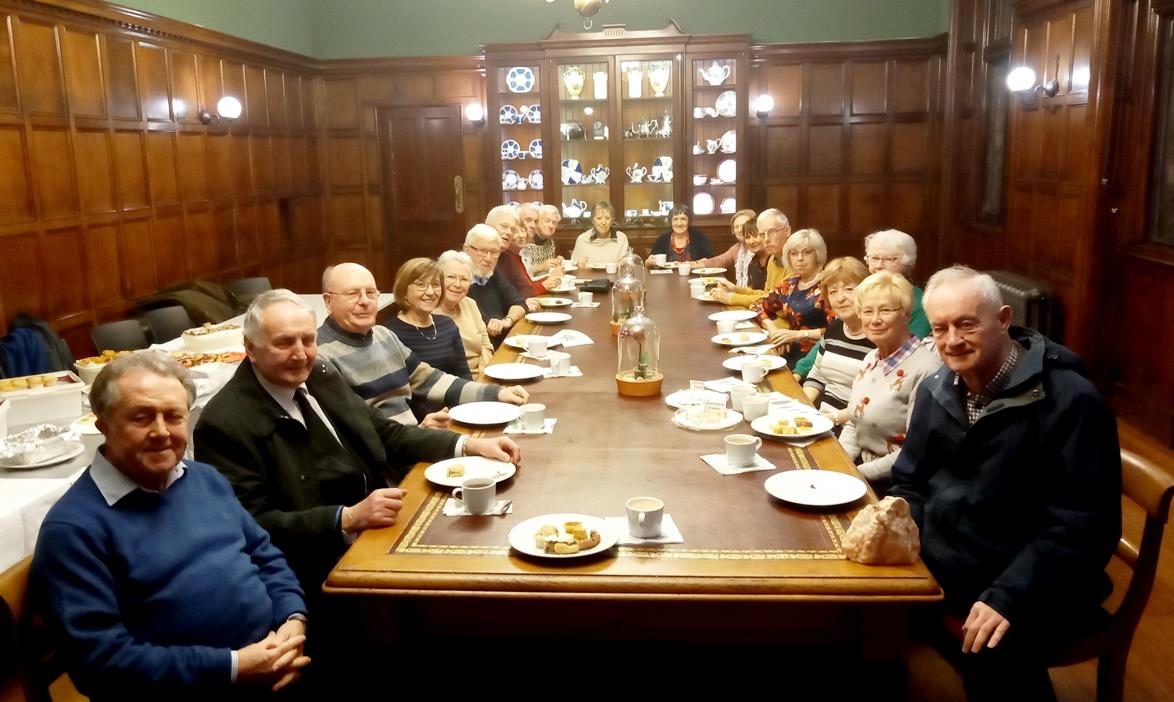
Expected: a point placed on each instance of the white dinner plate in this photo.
(728, 171)
(703, 204)
(688, 397)
(548, 317)
(706, 296)
(733, 315)
(512, 371)
(770, 425)
(726, 103)
(554, 301)
(72, 449)
(597, 266)
(708, 271)
(484, 413)
(475, 467)
(815, 488)
(734, 363)
(522, 341)
(88, 424)
(729, 142)
(740, 338)
(732, 418)
(522, 536)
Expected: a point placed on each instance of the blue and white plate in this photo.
(572, 172)
(508, 114)
(534, 114)
(510, 149)
(535, 148)
(519, 79)
(535, 179)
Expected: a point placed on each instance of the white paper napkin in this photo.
(745, 325)
(585, 304)
(753, 350)
(515, 427)
(725, 384)
(657, 271)
(456, 508)
(717, 461)
(575, 372)
(669, 532)
(571, 337)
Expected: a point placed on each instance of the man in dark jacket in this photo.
(1013, 472)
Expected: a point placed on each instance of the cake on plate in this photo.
(212, 337)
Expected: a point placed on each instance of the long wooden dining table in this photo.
(751, 568)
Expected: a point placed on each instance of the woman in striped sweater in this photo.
(844, 346)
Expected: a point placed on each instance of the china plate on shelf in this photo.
(533, 114)
(803, 426)
(728, 170)
(522, 341)
(572, 172)
(484, 413)
(733, 315)
(508, 114)
(535, 179)
(702, 204)
(727, 206)
(729, 142)
(535, 149)
(734, 363)
(709, 271)
(815, 488)
(519, 79)
(521, 537)
(475, 467)
(548, 317)
(513, 371)
(743, 338)
(510, 149)
(726, 103)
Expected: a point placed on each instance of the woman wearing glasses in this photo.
(738, 256)
(895, 251)
(795, 313)
(456, 270)
(435, 339)
(884, 387)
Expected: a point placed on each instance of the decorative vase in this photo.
(658, 77)
(573, 78)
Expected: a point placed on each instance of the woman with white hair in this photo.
(456, 269)
(895, 251)
(795, 313)
(885, 385)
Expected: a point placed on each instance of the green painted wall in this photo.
(373, 28)
(286, 24)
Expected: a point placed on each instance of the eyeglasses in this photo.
(488, 253)
(456, 278)
(422, 286)
(883, 312)
(775, 230)
(352, 296)
(887, 260)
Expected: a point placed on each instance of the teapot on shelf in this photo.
(636, 172)
(600, 173)
(575, 209)
(716, 74)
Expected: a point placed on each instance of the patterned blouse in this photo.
(797, 309)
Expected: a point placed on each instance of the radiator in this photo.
(1031, 302)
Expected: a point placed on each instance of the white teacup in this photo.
(684, 269)
(644, 517)
(738, 393)
(533, 416)
(753, 371)
(611, 268)
(741, 449)
(478, 495)
(560, 363)
(725, 326)
(584, 298)
(536, 347)
(755, 406)
(659, 259)
(700, 179)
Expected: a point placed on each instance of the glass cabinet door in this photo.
(716, 167)
(647, 90)
(519, 132)
(585, 169)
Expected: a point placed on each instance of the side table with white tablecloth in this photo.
(23, 506)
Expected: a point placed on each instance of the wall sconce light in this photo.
(227, 109)
(475, 114)
(763, 104)
(1022, 79)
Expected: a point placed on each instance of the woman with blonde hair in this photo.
(885, 385)
(795, 313)
(456, 269)
(435, 339)
(841, 352)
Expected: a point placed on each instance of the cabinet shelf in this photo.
(665, 98)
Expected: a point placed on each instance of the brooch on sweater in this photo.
(895, 386)
(859, 410)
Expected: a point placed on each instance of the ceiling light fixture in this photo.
(587, 9)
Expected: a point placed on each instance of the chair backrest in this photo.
(20, 659)
(167, 323)
(124, 335)
(1151, 487)
(246, 289)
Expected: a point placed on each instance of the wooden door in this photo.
(424, 172)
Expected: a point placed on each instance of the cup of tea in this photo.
(725, 326)
(533, 416)
(536, 347)
(611, 268)
(741, 449)
(644, 517)
(739, 393)
(753, 371)
(560, 363)
(755, 406)
(584, 298)
(684, 269)
(660, 259)
(478, 495)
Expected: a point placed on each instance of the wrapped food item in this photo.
(34, 445)
(883, 533)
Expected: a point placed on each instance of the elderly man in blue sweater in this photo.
(154, 579)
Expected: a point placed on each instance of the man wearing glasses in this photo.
(540, 255)
(500, 304)
(504, 219)
(1012, 470)
(379, 367)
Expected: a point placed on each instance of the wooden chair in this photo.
(167, 323)
(29, 668)
(124, 335)
(1151, 487)
(246, 289)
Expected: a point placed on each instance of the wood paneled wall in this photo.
(852, 145)
(356, 198)
(111, 188)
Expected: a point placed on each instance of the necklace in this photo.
(419, 329)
